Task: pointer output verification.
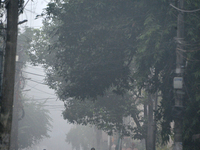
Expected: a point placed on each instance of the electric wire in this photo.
(26, 4)
(187, 51)
(43, 99)
(36, 81)
(40, 90)
(187, 11)
(32, 67)
(34, 73)
(193, 60)
(32, 12)
(46, 103)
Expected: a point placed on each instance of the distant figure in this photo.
(93, 148)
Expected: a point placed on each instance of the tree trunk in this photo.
(150, 128)
(155, 122)
(98, 138)
(145, 122)
(9, 74)
(110, 143)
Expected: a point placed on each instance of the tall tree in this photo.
(92, 42)
(191, 56)
(103, 45)
(98, 46)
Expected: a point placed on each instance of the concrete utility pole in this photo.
(16, 104)
(2, 47)
(9, 74)
(178, 80)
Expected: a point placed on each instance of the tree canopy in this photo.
(93, 50)
(100, 45)
(91, 47)
(108, 114)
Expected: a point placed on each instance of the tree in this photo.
(81, 137)
(107, 114)
(35, 125)
(191, 53)
(99, 46)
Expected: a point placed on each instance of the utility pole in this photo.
(2, 47)
(16, 103)
(178, 80)
(9, 74)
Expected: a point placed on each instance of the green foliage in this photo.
(35, 125)
(101, 45)
(89, 47)
(192, 78)
(81, 137)
(92, 47)
(107, 114)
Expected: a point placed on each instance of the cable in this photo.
(41, 90)
(21, 10)
(26, 4)
(30, 66)
(32, 12)
(182, 50)
(33, 73)
(36, 81)
(187, 11)
(40, 99)
(192, 60)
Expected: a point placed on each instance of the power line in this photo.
(31, 66)
(41, 99)
(41, 90)
(32, 12)
(33, 73)
(36, 81)
(187, 11)
(26, 4)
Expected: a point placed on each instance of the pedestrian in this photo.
(93, 148)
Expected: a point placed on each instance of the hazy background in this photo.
(40, 92)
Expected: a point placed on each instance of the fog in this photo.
(42, 93)
(127, 73)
